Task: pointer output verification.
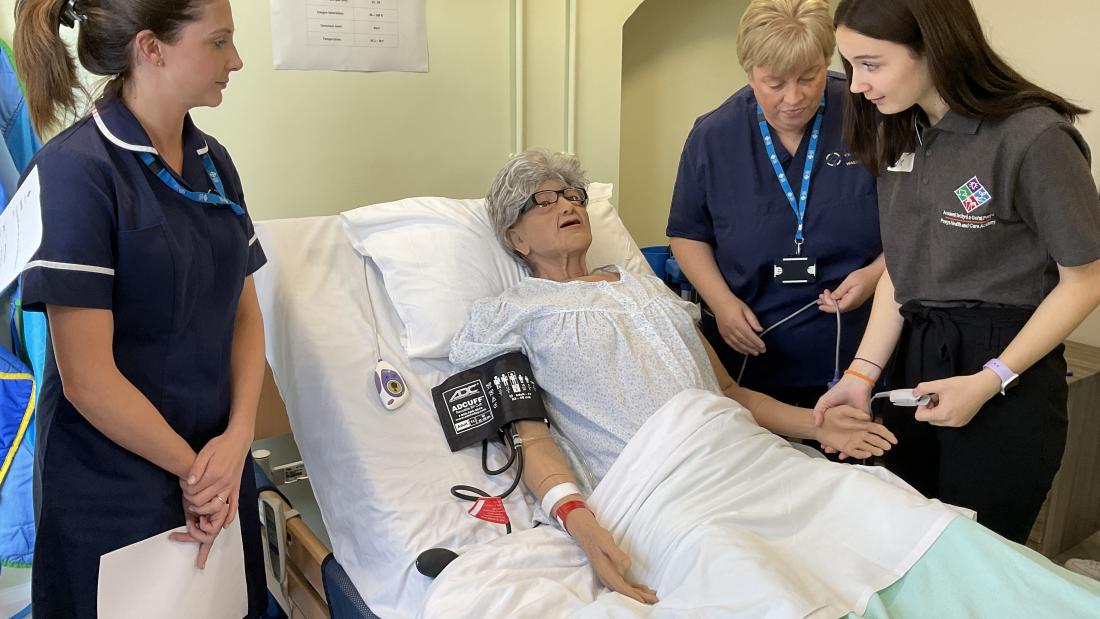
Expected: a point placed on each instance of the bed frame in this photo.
(306, 552)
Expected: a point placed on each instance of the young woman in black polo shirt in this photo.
(991, 233)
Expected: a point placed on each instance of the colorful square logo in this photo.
(972, 194)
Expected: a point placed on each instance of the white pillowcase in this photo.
(439, 255)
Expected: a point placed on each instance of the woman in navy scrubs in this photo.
(731, 221)
(153, 377)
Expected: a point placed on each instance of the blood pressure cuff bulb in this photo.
(475, 404)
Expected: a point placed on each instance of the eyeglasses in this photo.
(549, 197)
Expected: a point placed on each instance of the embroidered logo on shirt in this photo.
(972, 194)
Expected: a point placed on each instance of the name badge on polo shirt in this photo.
(904, 163)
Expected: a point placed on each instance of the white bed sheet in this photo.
(723, 519)
(381, 478)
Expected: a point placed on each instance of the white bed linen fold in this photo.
(723, 519)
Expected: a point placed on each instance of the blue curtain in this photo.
(17, 429)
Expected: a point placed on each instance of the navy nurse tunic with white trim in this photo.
(171, 270)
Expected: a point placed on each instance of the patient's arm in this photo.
(846, 429)
(544, 467)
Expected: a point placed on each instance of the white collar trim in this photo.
(117, 142)
(134, 147)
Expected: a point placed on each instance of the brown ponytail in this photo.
(106, 29)
(44, 63)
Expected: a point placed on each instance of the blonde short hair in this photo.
(785, 36)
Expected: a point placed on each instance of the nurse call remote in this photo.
(391, 387)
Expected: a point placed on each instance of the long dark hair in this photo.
(106, 30)
(970, 77)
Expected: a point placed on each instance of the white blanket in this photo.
(720, 517)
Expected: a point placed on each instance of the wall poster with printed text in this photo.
(350, 35)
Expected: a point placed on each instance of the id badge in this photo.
(904, 163)
(795, 270)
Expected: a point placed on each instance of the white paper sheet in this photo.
(157, 577)
(20, 229)
(349, 35)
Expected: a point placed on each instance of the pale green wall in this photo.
(599, 71)
(679, 62)
(314, 142)
(6, 25)
(310, 143)
(1058, 49)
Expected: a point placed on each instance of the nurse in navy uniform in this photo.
(154, 370)
(766, 177)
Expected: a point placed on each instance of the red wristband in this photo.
(561, 513)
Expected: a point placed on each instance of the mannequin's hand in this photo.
(607, 559)
(851, 432)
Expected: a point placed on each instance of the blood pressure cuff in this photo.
(475, 404)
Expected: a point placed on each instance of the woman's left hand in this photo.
(956, 400)
(215, 477)
(852, 293)
(851, 432)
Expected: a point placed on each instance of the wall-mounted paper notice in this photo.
(20, 229)
(350, 35)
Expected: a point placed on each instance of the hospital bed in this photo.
(381, 478)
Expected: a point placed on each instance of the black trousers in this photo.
(1003, 462)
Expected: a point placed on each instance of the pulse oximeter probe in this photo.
(904, 397)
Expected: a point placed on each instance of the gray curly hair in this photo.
(520, 178)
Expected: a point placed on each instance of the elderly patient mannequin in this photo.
(609, 348)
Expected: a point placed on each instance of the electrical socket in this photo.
(288, 473)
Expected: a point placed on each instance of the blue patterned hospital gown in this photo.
(607, 354)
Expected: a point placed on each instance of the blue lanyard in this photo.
(216, 198)
(798, 207)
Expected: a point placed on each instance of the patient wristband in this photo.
(555, 494)
(563, 512)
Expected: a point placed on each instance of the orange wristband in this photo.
(861, 375)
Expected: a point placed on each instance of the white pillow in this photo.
(439, 255)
